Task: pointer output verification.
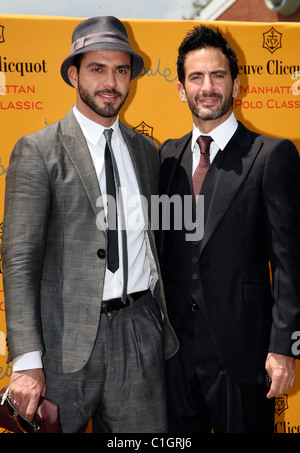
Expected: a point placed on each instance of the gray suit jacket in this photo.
(52, 274)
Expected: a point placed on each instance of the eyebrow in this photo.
(215, 71)
(102, 65)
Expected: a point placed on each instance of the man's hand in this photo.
(25, 391)
(282, 372)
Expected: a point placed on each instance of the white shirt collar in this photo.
(221, 134)
(91, 130)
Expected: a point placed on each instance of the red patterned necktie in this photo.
(204, 142)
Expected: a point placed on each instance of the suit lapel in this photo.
(225, 177)
(140, 163)
(142, 170)
(178, 158)
(76, 147)
(175, 178)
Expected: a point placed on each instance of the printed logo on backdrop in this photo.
(2, 34)
(281, 404)
(144, 129)
(279, 93)
(14, 94)
(272, 40)
(168, 74)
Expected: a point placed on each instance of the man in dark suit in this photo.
(234, 331)
(85, 308)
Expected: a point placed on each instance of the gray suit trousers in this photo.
(122, 387)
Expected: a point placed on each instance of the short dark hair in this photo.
(199, 38)
(77, 60)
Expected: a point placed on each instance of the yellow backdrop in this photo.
(32, 95)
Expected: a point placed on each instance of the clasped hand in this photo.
(25, 391)
(282, 373)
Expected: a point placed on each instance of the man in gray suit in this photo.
(90, 335)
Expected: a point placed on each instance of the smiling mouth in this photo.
(108, 96)
(208, 98)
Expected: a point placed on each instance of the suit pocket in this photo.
(154, 311)
(256, 293)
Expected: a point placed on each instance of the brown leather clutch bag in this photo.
(46, 419)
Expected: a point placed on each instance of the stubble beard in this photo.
(109, 110)
(214, 113)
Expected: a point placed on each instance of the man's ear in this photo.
(181, 91)
(73, 76)
(236, 87)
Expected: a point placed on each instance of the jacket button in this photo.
(101, 253)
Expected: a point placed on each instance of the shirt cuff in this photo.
(28, 361)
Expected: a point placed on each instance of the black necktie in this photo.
(112, 221)
(114, 185)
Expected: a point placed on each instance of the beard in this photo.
(215, 112)
(108, 110)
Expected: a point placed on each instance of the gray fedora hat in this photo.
(101, 33)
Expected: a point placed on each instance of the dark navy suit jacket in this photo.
(252, 219)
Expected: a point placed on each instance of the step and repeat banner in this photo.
(33, 95)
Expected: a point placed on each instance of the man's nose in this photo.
(110, 79)
(207, 84)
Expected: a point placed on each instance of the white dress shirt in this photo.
(139, 272)
(138, 264)
(220, 135)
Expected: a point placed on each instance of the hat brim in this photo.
(136, 67)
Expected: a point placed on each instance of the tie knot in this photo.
(204, 142)
(107, 134)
